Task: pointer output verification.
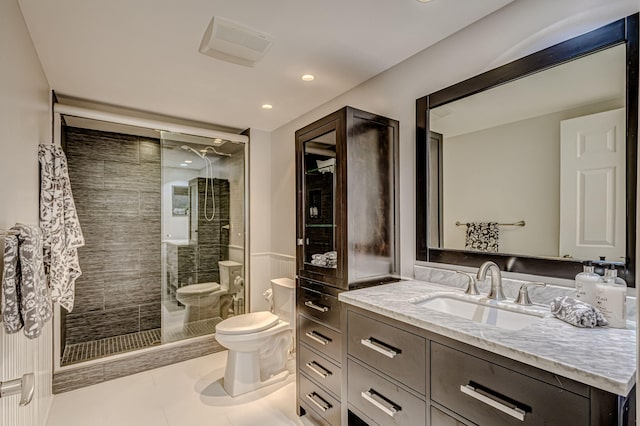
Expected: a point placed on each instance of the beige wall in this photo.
(521, 27)
(24, 123)
(527, 153)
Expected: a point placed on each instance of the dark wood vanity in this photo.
(403, 375)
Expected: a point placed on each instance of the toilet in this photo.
(259, 342)
(202, 300)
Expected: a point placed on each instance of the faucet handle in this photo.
(523, 293)
(472, 288)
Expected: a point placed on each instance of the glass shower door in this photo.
(203, 233)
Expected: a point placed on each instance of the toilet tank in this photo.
(284, 290)
(228, 272)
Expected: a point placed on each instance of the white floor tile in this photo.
(189, 393)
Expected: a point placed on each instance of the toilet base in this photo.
(242, 373)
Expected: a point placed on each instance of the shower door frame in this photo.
(60, 110)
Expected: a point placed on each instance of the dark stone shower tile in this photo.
(89, 294)
(134, 291)
(87, 174)
(124, 259)
(150, 316)
(121, 201)
(122, 176)
(150, 204)
(89, 201)
(149, 151)
(89, 326)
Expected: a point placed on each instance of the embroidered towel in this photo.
(26, 299)
(59, 222)
(11, 286)
(577, 313)
(482, 236)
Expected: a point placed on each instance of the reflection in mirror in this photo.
(533, 164)
(555, 161)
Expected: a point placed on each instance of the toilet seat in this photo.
(247, 323)
(198, 288)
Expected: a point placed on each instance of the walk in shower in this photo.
(163, 215)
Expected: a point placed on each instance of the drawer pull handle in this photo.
(319, 308)
(381, 402)
(318, 369)
(323, 405)
(515, 411)
(317, 337)
(380, 347)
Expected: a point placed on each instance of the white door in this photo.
(592, 186)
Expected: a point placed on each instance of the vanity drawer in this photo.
(319, 400)
(393, 351)
(324, 307)
(320, 369)
(486, 393)
(320, 338)
(382, 400)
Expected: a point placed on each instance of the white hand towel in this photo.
(59, 221)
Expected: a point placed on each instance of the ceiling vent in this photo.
(232, 42)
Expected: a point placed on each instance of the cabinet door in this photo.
(320, 178)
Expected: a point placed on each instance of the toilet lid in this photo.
(247, 323)
(198, 288)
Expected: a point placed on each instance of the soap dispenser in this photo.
(611, 298)
(586, 283)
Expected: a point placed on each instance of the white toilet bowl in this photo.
(259, 342)
(201, 301)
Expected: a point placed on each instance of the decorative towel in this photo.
(26, 299)
(11, 315)
(59, 222)
(482, 236)
(577, 313)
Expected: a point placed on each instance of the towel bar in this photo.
(520, 223)
(24, 386)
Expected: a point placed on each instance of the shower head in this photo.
(203, 152)
(188, 148)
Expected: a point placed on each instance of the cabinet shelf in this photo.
(319, 171)
(320, 225)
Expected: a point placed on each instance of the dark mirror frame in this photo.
(619, 32)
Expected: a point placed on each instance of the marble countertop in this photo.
(601, 357)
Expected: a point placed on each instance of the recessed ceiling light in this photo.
(424, 1)
(308, 77)
(183, 165)
(188, 161)
(217, 141)
(267, 106)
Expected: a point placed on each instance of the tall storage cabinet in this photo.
(347, 233)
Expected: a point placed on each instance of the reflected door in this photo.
(592, 190)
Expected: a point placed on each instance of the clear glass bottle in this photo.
(586, 282)
(611, 298)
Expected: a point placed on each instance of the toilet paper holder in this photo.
(24, 386)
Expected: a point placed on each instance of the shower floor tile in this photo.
(95, 349)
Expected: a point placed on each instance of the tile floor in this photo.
(189, 393)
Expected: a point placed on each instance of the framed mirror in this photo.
(533, 164)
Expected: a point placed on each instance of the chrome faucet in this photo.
(496, 279)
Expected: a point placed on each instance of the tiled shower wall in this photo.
(116, 186)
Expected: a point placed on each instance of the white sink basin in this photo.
(484, 312)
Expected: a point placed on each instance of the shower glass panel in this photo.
(160, 212)
(202, 233)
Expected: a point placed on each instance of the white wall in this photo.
(521, 27)
(25, 121)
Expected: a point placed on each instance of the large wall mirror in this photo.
(533, 164)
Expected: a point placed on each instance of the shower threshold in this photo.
(95, 349)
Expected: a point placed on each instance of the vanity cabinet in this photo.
(413, 377)
(347, 174)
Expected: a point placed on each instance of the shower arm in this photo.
(206, 148)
